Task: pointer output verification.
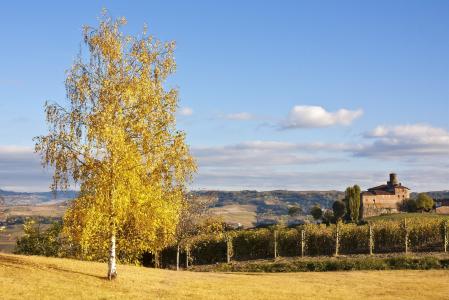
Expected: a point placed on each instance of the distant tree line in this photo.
(16, 220)
(422, 203)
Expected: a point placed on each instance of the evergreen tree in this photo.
(316, 212)
(339, 209)
(352, 202)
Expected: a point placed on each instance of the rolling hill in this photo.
(8, 198)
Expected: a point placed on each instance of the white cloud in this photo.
(21, 170)
(186, 111)
(418, 180)
(15, 149)
(264, 153)
(415, 140)
(266, 165)
(303, 116)
(241, 116)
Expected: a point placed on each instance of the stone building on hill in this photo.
(384, 199)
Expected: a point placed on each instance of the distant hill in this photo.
(250, 208)
(273, 201)
(247, 207)
(21, 198)
(434, 194)
(267, 201)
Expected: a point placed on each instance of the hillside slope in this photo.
(24, 277)
(252, 207)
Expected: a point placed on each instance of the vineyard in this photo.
(415, 235)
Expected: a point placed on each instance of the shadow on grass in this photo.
(56, 268)
(246, 273)
(16, 262)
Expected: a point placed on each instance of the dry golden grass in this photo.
(23, 277)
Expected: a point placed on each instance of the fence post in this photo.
(445, 237)
(371, 239)
(337, 238)
(228, 248)
(275, 243)
(303, 242)
(406, 235)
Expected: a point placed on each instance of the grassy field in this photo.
(24, 277)
(398, 217)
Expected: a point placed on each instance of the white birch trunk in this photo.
(275, 244)
(112, 267)
(177, 258)
(187, 257)
(303, 242)
(337, 238)
(228, 249)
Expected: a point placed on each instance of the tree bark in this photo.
(445, 237)
(303, 242)
(187, 257)
(177, 257)
(228, 249)
(275, 244)
(406, 237)
(337, 238)
(156, 259)
(112, 267)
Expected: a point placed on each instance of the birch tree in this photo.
(117, 138)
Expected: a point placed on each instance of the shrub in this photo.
(289, 242)
(335, 264)
(320, 239)
(316, 212)
(39, 242)
(409, 205)
(354, 239)
(424, 234)
(208, 251)
(339, 209)
(253, 244)
(424, 202)
(389, 236)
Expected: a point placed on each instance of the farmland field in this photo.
(10, 233)
(23, 277)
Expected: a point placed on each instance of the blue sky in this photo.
(284, 94)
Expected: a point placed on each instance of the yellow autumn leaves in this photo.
(117, 138)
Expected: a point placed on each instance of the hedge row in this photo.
(333, 264)
(423, 235)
